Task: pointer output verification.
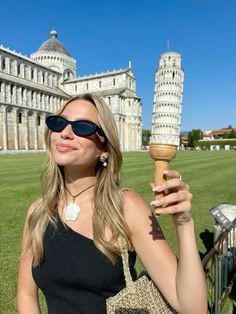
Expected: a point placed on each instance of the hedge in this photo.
(221, 143)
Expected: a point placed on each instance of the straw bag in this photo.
(138, 297)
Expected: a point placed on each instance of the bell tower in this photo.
(167, 100)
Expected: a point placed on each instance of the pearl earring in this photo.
(103, 161)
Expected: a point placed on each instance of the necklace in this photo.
(71, 210)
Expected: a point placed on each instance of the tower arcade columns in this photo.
(16, 129)
(4, 126)
(26, 128)
(36, 141)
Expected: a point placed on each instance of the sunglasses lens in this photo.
(84, 128)
(56, 123)
(80, 127)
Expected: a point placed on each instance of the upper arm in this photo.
(150, 245)
(26, 282)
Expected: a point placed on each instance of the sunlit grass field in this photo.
(211, 176)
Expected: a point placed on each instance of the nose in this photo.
(67, 132)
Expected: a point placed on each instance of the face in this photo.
(71, 150)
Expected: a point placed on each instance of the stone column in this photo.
(46, 105)
(29, 99)
(3, 92)
(4, 133)
(26, 127)
(8, 92)
(24, 101)
(7, 63)
(18, 95)
(16, 127)
(139, 136)
(13, 97)
(43, 102)
(43, 116)
(36, 140)
(46, 78)
(33, 99)
(22, 70)
(28, 73)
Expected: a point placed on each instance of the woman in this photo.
(69, 247)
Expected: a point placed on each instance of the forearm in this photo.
(190, 277)
(27, 304)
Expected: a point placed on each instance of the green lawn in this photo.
(211, 176)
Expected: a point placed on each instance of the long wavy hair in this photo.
(107, 212)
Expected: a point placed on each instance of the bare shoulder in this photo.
(136, 210)
(133, 201)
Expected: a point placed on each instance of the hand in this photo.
(177, 199)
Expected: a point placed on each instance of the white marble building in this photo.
(31, 87)
(167, 102)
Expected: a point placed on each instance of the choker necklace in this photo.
(71, 210)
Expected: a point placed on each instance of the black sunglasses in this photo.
(80, 127)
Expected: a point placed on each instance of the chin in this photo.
(62, 159)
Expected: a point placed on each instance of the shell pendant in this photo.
(71, 211)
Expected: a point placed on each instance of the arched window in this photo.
(12, 88)
(18, 69)
(39, 120)
(3, 64)
(19, 117)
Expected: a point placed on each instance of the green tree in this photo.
(226, 135)
(190, 139)
(232, 134)
(194, 136)
(146, 134)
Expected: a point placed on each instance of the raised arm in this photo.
(182, 280)
(27, 291)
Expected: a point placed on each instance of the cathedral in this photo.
(31, 87)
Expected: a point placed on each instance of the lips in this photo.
(64, 147)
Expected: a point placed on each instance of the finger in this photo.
(174, 209)
(151, 184)
(172, 173)
(173, 198)
(170, 184)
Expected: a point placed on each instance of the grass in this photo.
(211, 176)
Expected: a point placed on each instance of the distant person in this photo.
(69, 248)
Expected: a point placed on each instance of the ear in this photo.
(105, 154)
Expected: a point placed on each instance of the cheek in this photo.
(90, 146)
(53, 139)
(53, 136)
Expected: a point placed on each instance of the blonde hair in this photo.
(107, 192)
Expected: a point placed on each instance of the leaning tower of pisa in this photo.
(167, 102)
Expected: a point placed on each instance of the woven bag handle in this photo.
(125, 261)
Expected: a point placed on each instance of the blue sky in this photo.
(105, 34)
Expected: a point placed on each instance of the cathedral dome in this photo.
(53, 45)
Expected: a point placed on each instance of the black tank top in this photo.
(75, 277)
